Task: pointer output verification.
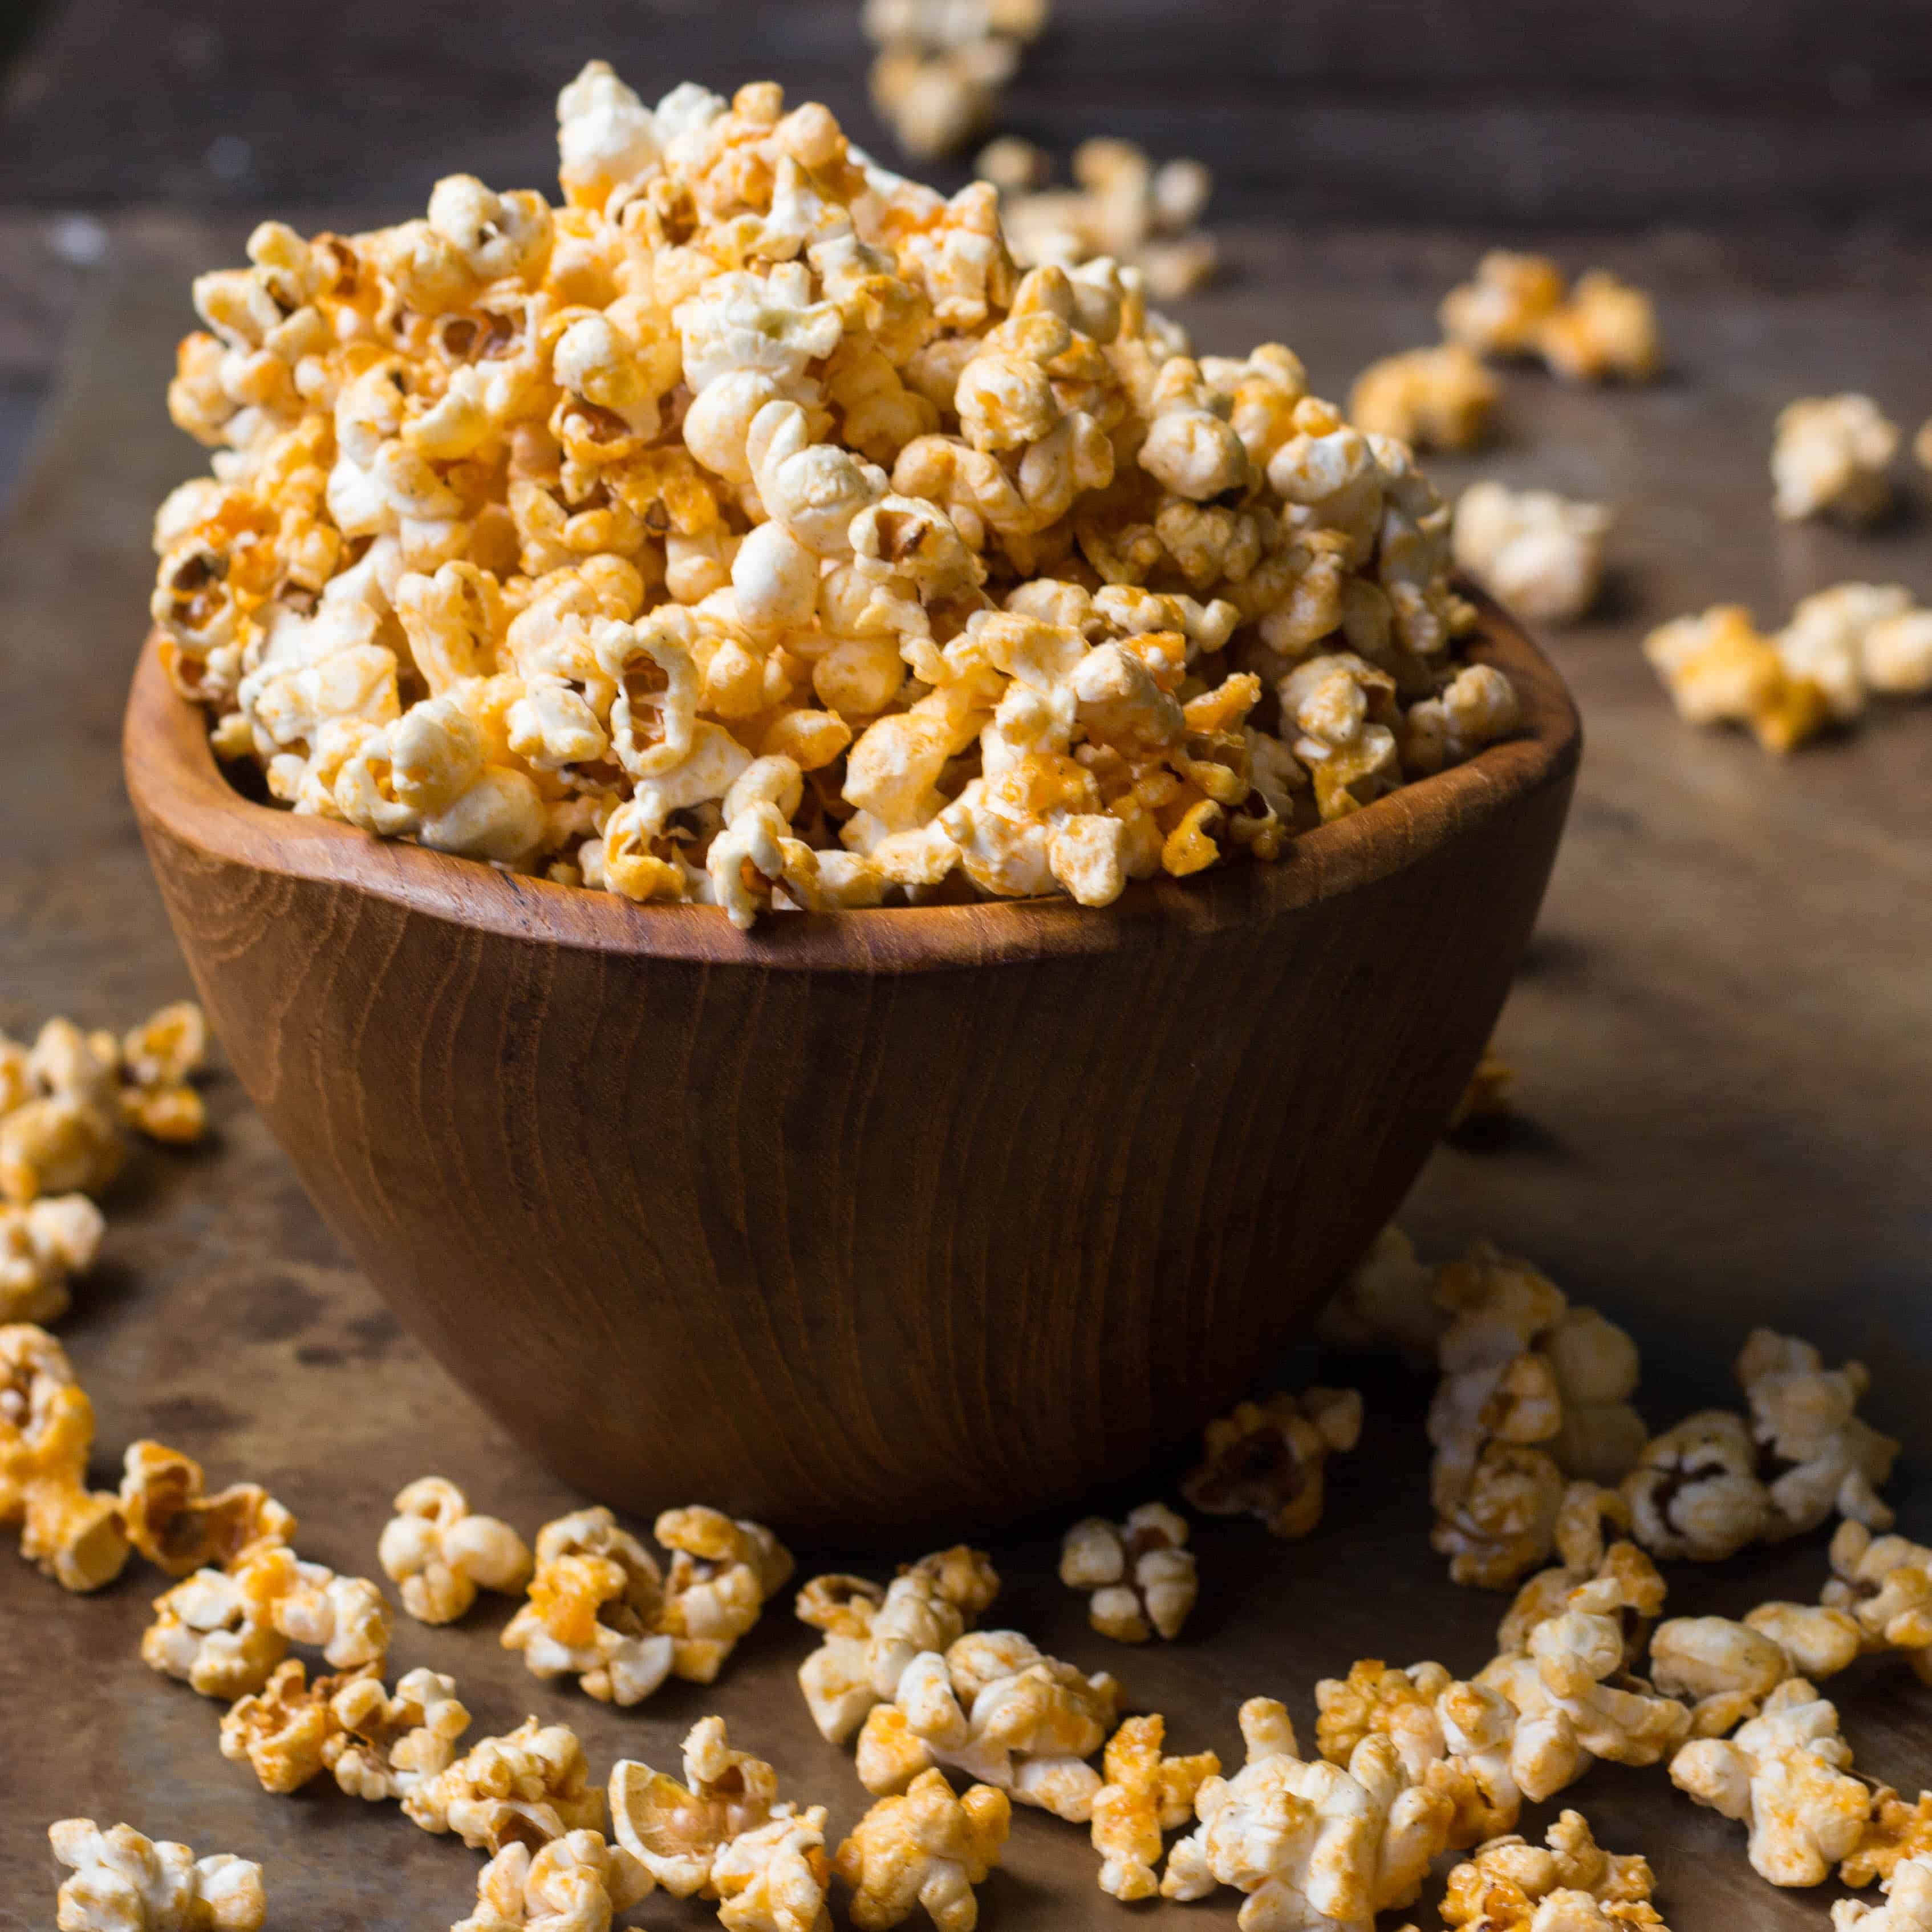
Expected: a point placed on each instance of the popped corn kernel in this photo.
(1718, 670)
(1374, 1701)
(178, 1527)
(1695, 1491)
(1539, 553)
(530, 527)
(1387, 1301)
(531, 1785)
(721, 1573)
(677, 1831)
(1885, 1584)
(440, 1554)
(1141, 1573)
(281, 1731)
(41, 1245)
(1823, 1458)
(1145, 1795)
(596, 1596)
(1820, 1641)
(1502, 309)
(1832, 456)
(574, 1880)
(123, 1883)
(1894, 1833)
(927, 1847)
(1587, 1556)
(775, 1878)
(1724, 1669)
(1568, 1884)
(1907, 1906)
(385, 1745)
(1784, 1776)
(1604, 329)
(1440, 398)
(1266, 1459)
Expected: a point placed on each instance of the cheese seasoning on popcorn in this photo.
(751, 531)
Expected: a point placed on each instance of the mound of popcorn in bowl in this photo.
(750, 530)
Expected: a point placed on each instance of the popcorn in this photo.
(752, 531)
(530, 1785)
(1830, 457)
(1309, 1841)
(1784, 1776)
(1695, 1491)
(1440, 398)
(998, 1708)
(281, 1731)
(1908, 1906)
(871, 1635)
(47, 1429)
(1145, 1794)
(941, 64)
(1511, 1885)
(1820, 1641)
(1805, 1419)
(1140, 1573)
(123, 1883)
(1265, 1459)
(676, 1832)
(1518, 305)
(575, 1880)
(1388, 1302)
(40, 1246)
(595, 1602)
(1884, 1583)
(1123, 208)
(1581, 1518)
(1486, 1096)
(1539, 553)
(721, 1572)
(441, 1555)
(1896, 1833)
(1374, 1701)
(1726, 1670)
(178, 1527)
(775, 1878)
(925, 1847)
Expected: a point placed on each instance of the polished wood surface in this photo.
(1720, 1030)
(749, 1200)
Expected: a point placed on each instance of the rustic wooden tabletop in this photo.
(1721, 1031)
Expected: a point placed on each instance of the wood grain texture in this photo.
(1720, 1030)
(745, 1202)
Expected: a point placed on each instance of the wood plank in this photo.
(1721, 1033)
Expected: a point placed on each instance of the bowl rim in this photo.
(177, 787)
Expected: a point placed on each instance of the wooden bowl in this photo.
(873, 1225)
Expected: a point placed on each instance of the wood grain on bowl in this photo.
(913, 1217)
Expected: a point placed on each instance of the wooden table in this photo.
(1725, 1060)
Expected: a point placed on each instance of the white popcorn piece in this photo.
(925, 1848)
(1907, 1906)
(123, 1883)
(593, 1612)
(1884, 1583)
(440, 1554)
(1388, 1302)
(386, 1746)
(1695, 1492)
(1140, 1573)
(1587, 1555)
(722, 1572)
(1831, 457)
(1785, 1777)
(676, 1831)
(575, 1880)
(531, 1785)
(1539, 553)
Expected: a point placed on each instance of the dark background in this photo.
(1576, 113)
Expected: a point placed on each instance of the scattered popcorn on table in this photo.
(996, 1708)
(1784, 1776)
(281, 1731)
(386, 1746)
(1145, 1795)
(1719, 670)
(65, 1102)
(531, 1785)
(173, 1522)
(1309, 1843)
(1832, 456)
(1820, 1640)
(677, 1831)
(1518, 305)
(722, 1573)
(775, 1878)
(1141, 1572)
(1884, 1583)
(1630, 1579)
(1387, 1303)
(1538, 553)
(1695, 1492)
(123, 1883)
(1857, 638)
(595, 1604)
(573, 1882)
(1375, 1701)
(1568, 1884)
(1894, 1832)
(941, 64)
(864, 567)
(74, 1534)
(40, 1246)
(1822, 1459)
(440, 1554)
(1124, 207)
(1908, 1906)
(1439, 398)
(1724, 1670)
(926, 1848)
(1267, 1459)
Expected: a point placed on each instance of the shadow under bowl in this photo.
(870, 1224)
